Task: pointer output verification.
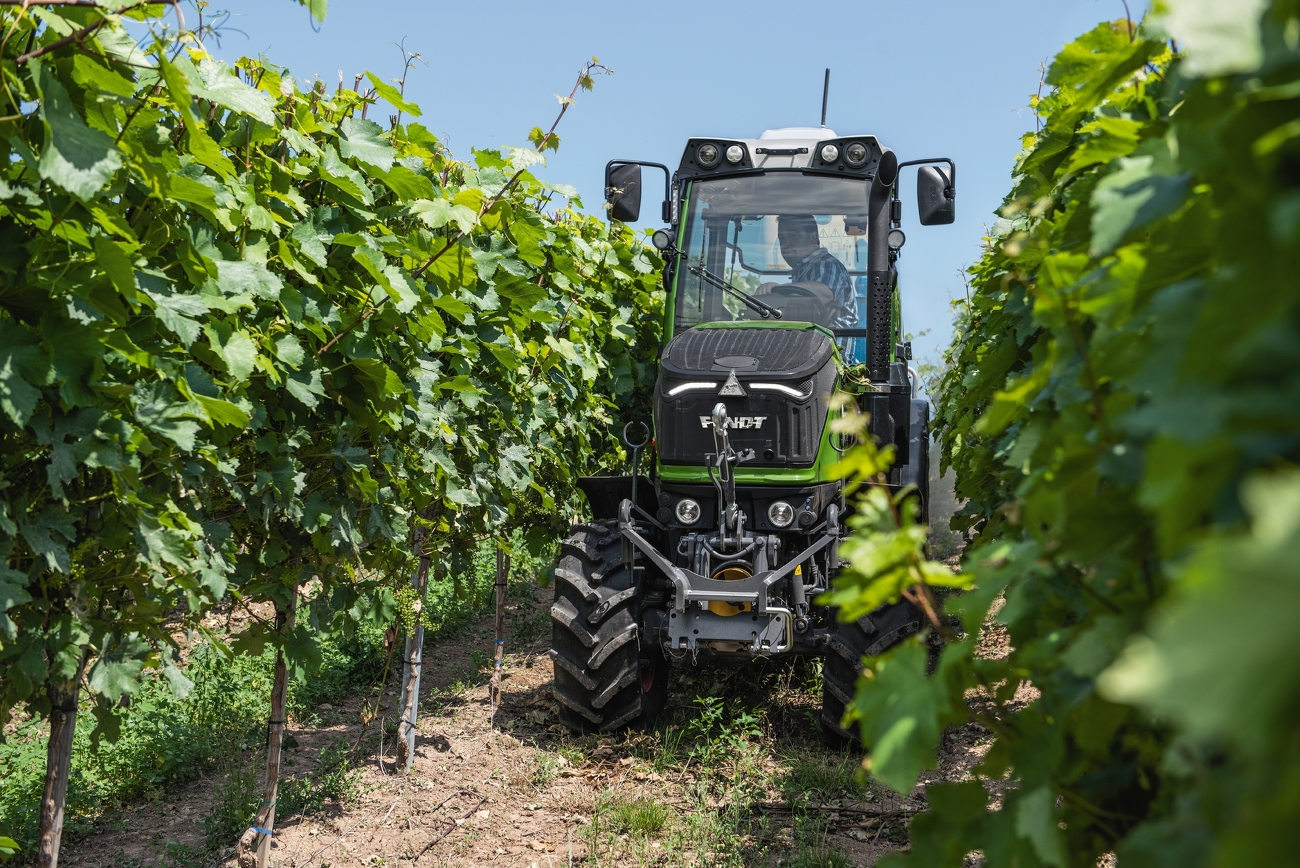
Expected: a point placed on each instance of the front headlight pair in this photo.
(779, 513)
(709, 154)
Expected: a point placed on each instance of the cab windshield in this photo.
(793, 241)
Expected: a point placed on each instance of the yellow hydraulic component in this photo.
(730, 574)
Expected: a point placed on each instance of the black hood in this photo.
(786, 353)
(786, 376)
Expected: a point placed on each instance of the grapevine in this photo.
(1119, 406)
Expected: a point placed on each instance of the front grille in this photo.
(783, 431)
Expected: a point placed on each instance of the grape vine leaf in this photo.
(76, 157)
(393, 96)
(363, 139)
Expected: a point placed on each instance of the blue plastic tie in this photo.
(261, 831)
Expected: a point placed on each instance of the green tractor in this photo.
(781, 278)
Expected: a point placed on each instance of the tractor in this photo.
(781, 280)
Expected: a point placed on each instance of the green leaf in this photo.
(1218, 660)
(223, 412)
(289, 350)
(347, 179)
(1036, 821)
(176, 312)
(1217, 38)
(13, 591)
(316, 7)
(239, 278)
(306, 387)
(208, 153)
(117, 671)
(408, 185)
(76, 158)
(900, 713)
(110, 256)
(239, 353)
(1136, 194)
(47, 534)
(436, 213)
(24, 367)
(537, 136)
(181, 686)
(393, 96)
(179, 88)
(215, 81)
(159, 409)
(363, 140)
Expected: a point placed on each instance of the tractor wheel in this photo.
(848, 644)
(603, 679)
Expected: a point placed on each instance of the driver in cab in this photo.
(814, 269)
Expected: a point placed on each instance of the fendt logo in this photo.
(737, 422)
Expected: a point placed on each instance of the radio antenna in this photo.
(826, 90)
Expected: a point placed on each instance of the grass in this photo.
(818, 776)
(221, 726)
(756, 785)
(636, 816)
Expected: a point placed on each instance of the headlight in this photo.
(780, 514)
(830, 153)
(856, 154)
(735, 154)
(707, 155)
(688, 511)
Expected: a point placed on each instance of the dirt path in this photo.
(756, 787)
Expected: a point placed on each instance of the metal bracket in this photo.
(767, 633)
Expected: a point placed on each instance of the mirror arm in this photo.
(950, 191)
(666, 212)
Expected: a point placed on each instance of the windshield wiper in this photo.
(762, 308)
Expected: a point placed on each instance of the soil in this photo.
(516, 789)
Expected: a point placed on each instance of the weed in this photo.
(721, 735)
(180, 855)
(813, 849)
(814, 776)
(240, 797)
(545, 769)
(574, 756)
(636, 816)
(337, 781)
(817, 854)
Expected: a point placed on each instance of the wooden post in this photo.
(414, 663)
(58, 765)
(498, 659)
(264, 823)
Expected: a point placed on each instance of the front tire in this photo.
(603, 679)
(848, 644)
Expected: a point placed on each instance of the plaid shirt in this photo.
(821, 267)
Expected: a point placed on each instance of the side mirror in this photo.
(623, 191)
(936, 201)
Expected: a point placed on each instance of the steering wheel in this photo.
(793, 290)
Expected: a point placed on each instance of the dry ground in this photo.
(756, 788)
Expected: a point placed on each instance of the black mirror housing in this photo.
(936, 199)
(623, 191)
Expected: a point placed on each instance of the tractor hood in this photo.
(776, 383)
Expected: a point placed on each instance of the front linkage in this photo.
(768, 629)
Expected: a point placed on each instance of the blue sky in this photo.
(930, 78)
